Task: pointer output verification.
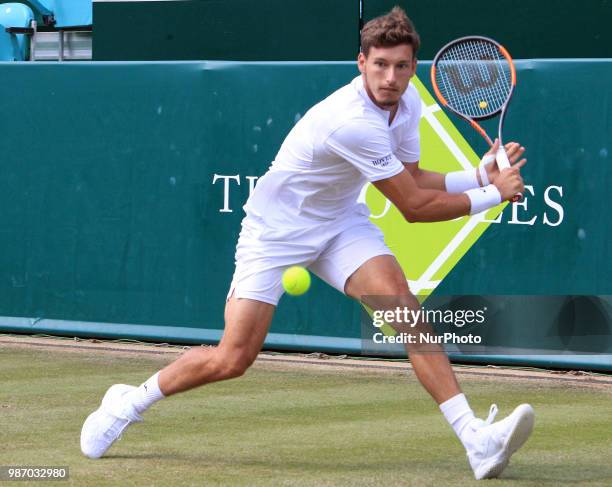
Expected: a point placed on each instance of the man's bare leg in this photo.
(489, 445)
(246, 325)
(383, 276)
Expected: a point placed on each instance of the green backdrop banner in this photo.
(528, 29)
(245, 30)
(123, 184)
(321, 30)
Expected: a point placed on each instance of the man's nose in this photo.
(391, 77)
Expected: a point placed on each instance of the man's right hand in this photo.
(509, 181)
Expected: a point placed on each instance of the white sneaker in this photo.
(493, 444)
(105, 425)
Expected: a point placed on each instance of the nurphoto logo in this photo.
(420, 328)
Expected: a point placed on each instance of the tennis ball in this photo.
(483, 104)
(296, 280)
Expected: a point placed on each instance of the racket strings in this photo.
(474, 77)
(471, 72)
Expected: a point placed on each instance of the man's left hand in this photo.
(514, 151)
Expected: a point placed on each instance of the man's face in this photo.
(386, 73)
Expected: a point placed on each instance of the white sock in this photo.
(458, 413)
(145, 395)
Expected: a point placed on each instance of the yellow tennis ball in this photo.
(296, 280)
(483, 104)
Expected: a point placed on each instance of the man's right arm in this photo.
(365, 144)
(430, 205)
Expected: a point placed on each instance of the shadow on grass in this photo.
(278, 463)
(146, 456)
(562, 474)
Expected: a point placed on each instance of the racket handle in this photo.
(502, 158)
(504, 163)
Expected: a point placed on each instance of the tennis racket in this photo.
(474, 77)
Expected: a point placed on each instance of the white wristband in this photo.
(483, 175)
(461, 181)
(487, 159)
(482, 199)
(484, 162)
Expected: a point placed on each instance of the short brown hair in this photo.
(390, 30)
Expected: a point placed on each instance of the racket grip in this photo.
(502, 158)
(504, 163)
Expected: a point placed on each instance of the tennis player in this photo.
(304, 211)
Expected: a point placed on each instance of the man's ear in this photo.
(361, 59)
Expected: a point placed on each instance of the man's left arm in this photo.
(426, 179)
(434, 180)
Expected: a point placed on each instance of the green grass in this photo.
(291, 426)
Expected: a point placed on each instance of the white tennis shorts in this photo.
(332, 252)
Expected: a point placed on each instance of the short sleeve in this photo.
(409, 147)
(367, 147)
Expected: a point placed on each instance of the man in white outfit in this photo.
(304, 211)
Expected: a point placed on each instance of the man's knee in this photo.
(393, 290)
(382, 284)
(397, 286)
(232, 364)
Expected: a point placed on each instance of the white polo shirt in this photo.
(340, 144)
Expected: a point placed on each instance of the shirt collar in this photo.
(401, 111)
